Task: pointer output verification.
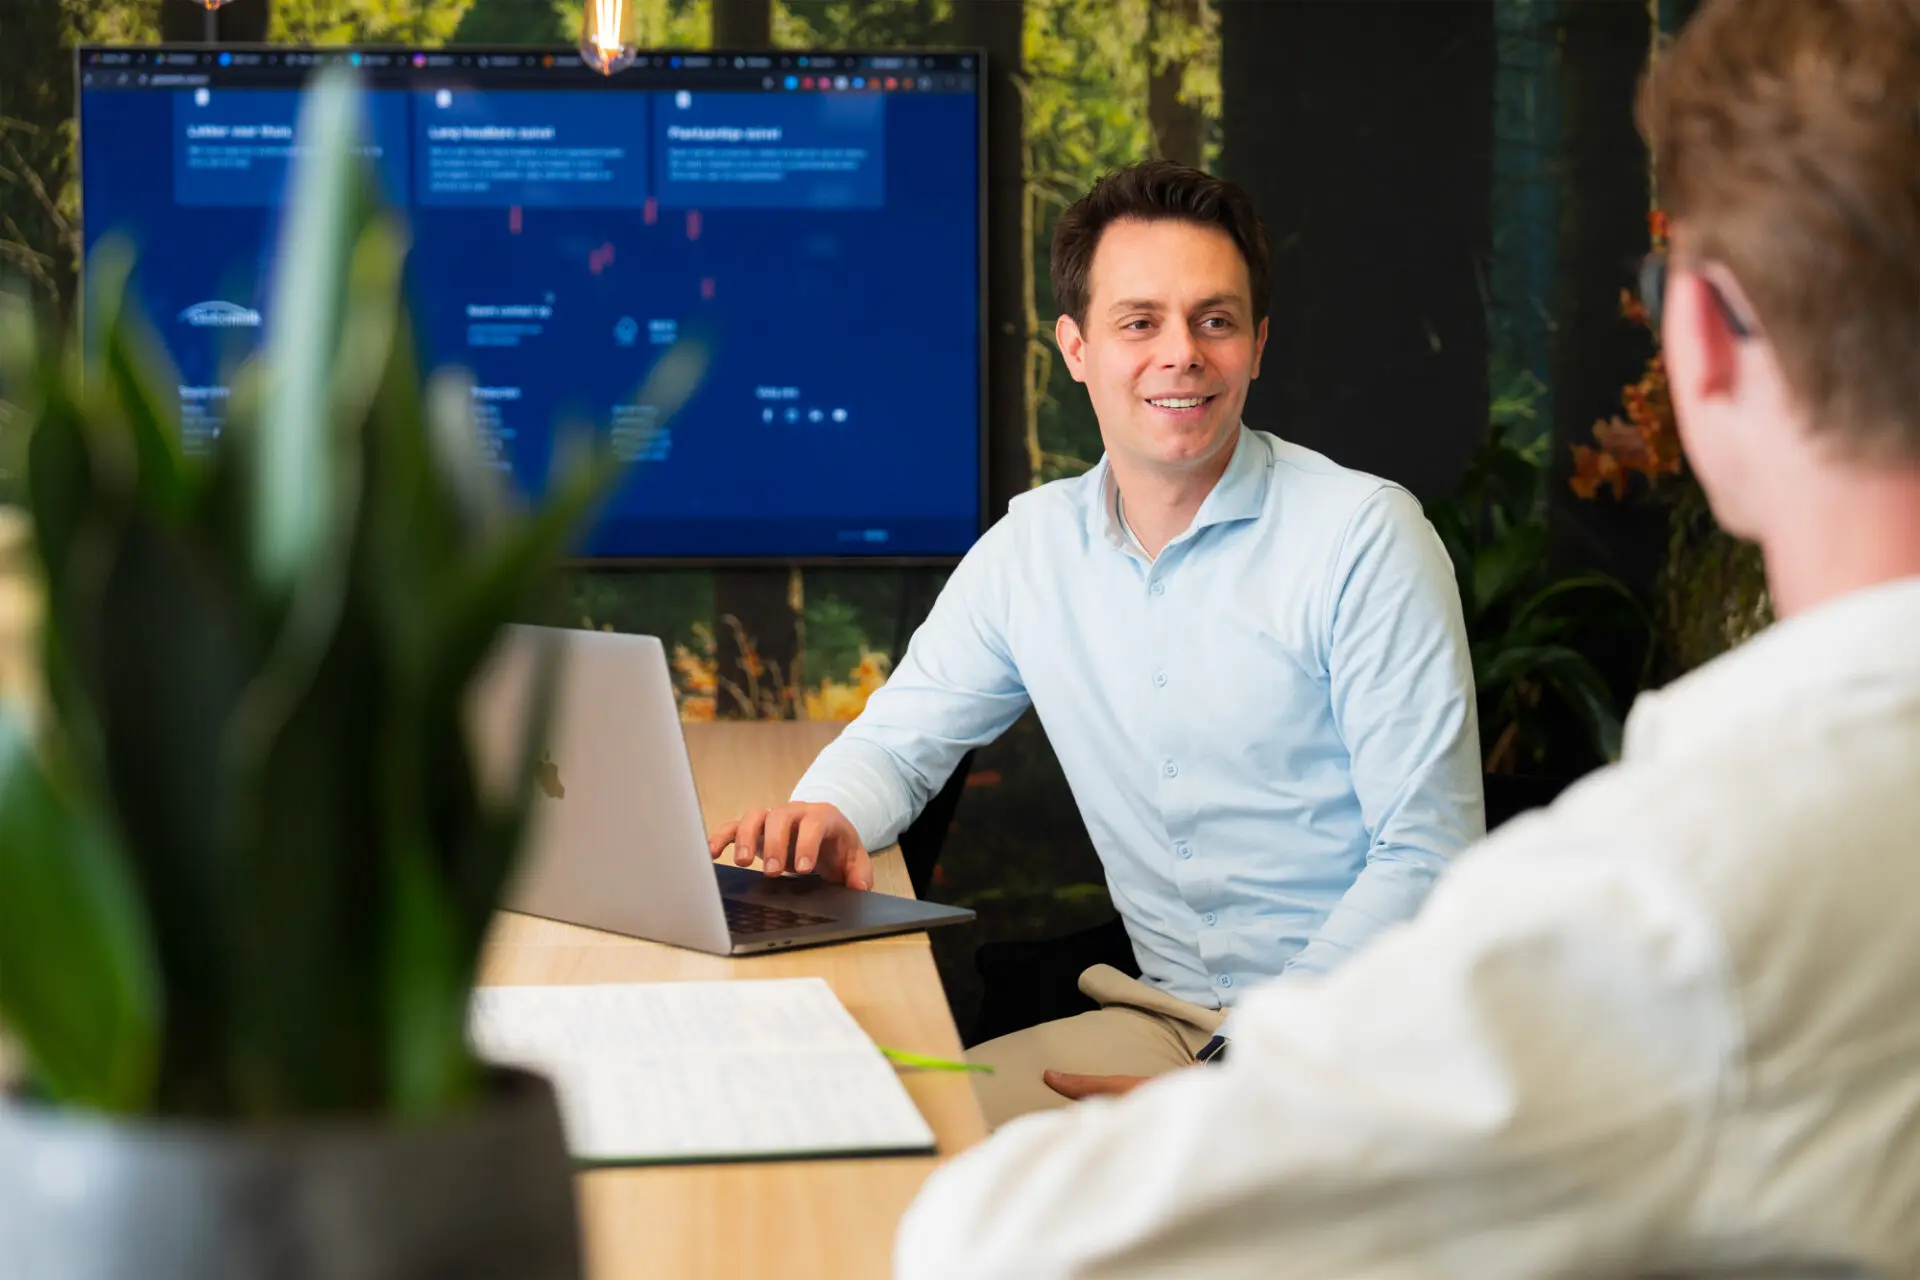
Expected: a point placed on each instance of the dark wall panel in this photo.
(1364, 133)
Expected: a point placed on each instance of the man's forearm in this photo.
(877, 791)
(1387, 892)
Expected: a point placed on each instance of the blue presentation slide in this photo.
(770, 151)
(232, 147)
(824, 246)
(553, 150)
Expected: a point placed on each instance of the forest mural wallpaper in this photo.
(1539, 203)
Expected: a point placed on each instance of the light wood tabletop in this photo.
(828, 1218)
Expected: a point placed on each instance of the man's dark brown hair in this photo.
(1155, 191)
(1786, 144)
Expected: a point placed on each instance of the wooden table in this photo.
(830, 1218)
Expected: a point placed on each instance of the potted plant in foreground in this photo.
(247, 861)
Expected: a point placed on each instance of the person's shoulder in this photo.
(1053, 514)
(1304, 477)
(1042, 523)
(1064, 499)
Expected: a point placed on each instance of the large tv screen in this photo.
(815, 216)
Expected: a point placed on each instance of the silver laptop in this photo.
(616, 839)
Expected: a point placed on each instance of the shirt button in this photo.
(1184, 849)
(1158, 589)
(1225, 979)
(1171, 769)
(1160, 679)
(1210, 918)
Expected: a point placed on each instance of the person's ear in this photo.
(1073, 346)
(1694, 326)
(1259, 345)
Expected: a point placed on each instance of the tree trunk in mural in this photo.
(742, 24)
(39, 241)
(1179, 128)
(997, 26)
(242, 22)
(1364, 134)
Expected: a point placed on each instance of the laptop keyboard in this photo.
(758, 917)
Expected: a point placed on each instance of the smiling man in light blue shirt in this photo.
(1250, 661)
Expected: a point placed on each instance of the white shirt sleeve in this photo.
(1400, 680)
(956, 688)
(1520, 1078)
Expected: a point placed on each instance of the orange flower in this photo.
(1631, 308)
(838, 700)
(1593, 468)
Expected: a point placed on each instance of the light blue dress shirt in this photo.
(1269, 729)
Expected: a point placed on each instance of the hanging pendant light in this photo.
(209, 5)
(606, 35)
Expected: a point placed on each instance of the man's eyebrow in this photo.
(1150, 304)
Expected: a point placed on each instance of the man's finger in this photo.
(779, 839)
(856, 867)
(1069, 1084)
(746, 841)
(806, 844)
(717, 842)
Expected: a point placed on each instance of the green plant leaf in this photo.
(1605, 587)
(174, 664)
(297, 468)
(77, 979)
(1581, 687)
(1576, 680)
(1505, 566)
(131, 371)
(1506, 664)
(432, 1070)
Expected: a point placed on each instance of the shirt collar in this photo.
(1802, 662)
(1239, 494)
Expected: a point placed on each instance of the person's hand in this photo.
(806, 837)
(1069, 1085)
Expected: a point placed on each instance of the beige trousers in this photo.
(1136, 1031)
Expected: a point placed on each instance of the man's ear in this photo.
(1073, 346)
(1259, 346)
(1695, 324)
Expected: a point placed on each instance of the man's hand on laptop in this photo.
(806, 837)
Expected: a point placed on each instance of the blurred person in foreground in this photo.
(1250, 661)
(1672, 1024)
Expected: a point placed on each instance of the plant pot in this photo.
(488, 1194)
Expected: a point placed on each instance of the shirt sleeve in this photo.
(1401, 683)
(1520, 1082)
(956, 688)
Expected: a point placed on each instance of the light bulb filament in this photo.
(606, 27)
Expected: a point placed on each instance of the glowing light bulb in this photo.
(606, 35)
(209, 4)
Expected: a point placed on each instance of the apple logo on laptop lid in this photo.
(547, 777)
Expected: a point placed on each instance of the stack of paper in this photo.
(703, 1071)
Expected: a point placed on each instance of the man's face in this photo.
(1169, 346)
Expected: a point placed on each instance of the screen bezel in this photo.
(983, 498)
